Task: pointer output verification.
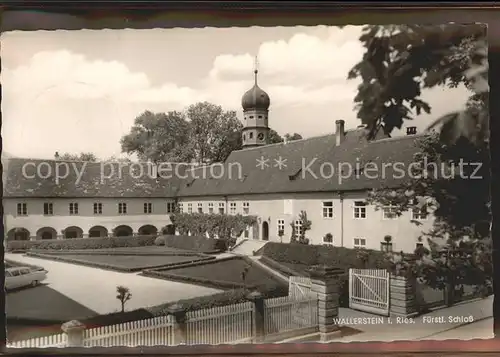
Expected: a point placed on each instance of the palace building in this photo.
(328, 177)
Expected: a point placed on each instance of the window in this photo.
(181, 207)
(148, 207)
(97, 208)
(250, 135)
(298, 227)
(419, 214)
(328, 238)
(73, 208)
(420, 245)
(359, 243)
(48, 209)
(24, 271)
(389, 212)
(15, 272)
(246, 207)
(251, 116)
(260, 116)
(170, 207)
(211, 208)
(386, 246)
(22, 209)
(232, 207)
(328, 209)
(281, 227)
(190, 208)
(359, 209)
(122, 208)
(222, 208)
(247, 230)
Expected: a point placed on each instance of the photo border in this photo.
(39, 15)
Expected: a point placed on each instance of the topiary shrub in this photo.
(159, 241)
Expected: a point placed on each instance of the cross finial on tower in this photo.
(256, 68)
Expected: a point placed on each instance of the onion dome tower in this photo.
(255, 103)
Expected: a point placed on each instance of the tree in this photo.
(292, 137)
(398, 63)
(275, 138)
(305, 225)
(83, 156)
(214, 132)
(159, 137)
(123, 296)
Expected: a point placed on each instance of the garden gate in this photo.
(299, 286)
(369, 290)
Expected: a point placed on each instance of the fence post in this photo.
(74, 331)
(258, 316)
(326, 285)
(180, 324)
(402, 292)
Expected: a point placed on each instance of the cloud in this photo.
(59, 90)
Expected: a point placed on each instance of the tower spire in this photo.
(256, 68)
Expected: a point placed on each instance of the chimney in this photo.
(56, 155)
(340, 132)
(411, 130)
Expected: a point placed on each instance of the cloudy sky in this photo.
(74, 91)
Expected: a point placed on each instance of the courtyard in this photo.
(95, 289)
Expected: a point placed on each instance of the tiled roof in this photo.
(321, 152)
(238, 175)
(96, 180)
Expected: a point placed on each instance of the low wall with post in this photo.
(403, 301)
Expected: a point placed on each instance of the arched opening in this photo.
(73, 232)
(18, 234)
(46, 233)
(265, 231)
(148, 230)
(123, 231)
(98, 231)
(169, 229)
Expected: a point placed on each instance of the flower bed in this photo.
(81, 243)
(122, 263)
(223, 273)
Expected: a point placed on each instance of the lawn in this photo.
(124, 263)
(40, 311)
(221, 273)
(146, 250)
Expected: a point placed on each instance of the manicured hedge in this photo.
(311, 255)
(195, 243)
(82, 243)
(114, 266)
(110, 252)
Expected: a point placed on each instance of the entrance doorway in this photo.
(265, 231)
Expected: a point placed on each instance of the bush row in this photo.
(311, 255)
(195, 243)
(81, 243)
(279, 267)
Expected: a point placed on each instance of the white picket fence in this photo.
(287, 313)
(228, 324)
(158, 331)
(221, 325)
(59, 340)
